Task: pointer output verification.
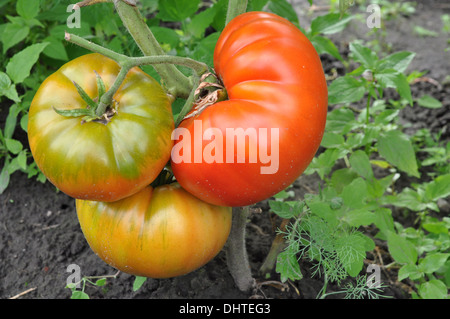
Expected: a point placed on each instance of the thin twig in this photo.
(23, 293)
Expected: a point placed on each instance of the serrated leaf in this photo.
(288, 266)
(177, 10)
(19, 67)
(363, 55)
(345, 89)
(397, 149)
(286, 209)
(398, 61)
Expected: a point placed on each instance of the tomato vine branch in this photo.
(126, 63)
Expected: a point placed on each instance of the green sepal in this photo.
(85, 96)
(100, 85)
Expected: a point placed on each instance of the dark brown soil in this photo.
(40, 235)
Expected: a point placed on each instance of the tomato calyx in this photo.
(209, 92)
(90, 112)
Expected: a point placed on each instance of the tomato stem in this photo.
(175, 81)
(235, 8)
(237, 259)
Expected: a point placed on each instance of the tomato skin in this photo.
(274, 79)
(157, 233)
(92, 160)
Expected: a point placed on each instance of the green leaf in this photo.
(394, 79)
(202, 20)
(332, 140)
(438, 188)
(402, 250)
(398, 61)
(359, 161)
(4, 178)
(429, 102)
(14, 146)
(55, 49)
(138, 282)
(287, 266)
(77, 294)
(345, 89)
(324, 45)
(342, 177)
(284, 9)
(100, 282)
(341, 121)
(397, 149)
(7, 89)
(355, 194)
(166, 36)
(433, 289)
(27, 9)
(177, 10)
(433, 262)
(13, 34)
(286, 209)
(204, 50)
(410, 271)
(19, 67)
(329, 23)
(351, 251)
(363, 55)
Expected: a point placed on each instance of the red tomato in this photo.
(159, 233)
(275, 115)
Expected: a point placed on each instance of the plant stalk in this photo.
(235, 8)
(175, 82)
(236, 252)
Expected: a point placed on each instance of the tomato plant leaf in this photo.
(177, 10)
(288, 266)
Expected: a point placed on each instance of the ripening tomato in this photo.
(246, 149)
(158, 232)
(98, 160)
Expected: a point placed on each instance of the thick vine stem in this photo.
(237, 259)
(176, 83)
(235, 8)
